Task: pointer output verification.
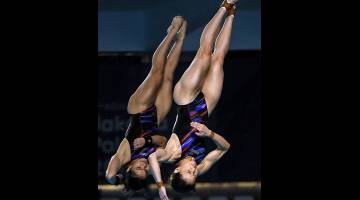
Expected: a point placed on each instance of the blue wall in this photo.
(121, 31)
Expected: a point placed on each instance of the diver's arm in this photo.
(222, 147)
(117, 161)
(157, 140)
(155, 170)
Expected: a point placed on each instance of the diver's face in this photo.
(188, 170)
(139, 168)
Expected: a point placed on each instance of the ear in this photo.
(128, 169)
(177, 170)
(147, 168)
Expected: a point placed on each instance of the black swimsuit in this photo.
(142, 124)
(191, 144)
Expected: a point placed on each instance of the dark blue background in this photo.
(236, 117)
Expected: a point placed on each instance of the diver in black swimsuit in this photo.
(196, 95)
(147, 107)
(191, 144)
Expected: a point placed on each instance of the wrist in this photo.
(160, 184)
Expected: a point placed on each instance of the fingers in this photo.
(162, 194)
(197, 125)
(164, 198)
(136, 145)
(198, 134)
(201, 128)
(194, 124)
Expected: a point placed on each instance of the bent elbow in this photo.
(227, 147)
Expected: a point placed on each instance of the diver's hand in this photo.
(162, 193)
(138, 143)
(203, 131)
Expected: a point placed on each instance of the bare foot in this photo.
(232, 1)
(175, 24)
(182, 31)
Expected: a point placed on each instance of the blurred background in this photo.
(128, 33)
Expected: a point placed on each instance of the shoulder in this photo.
(172, 150)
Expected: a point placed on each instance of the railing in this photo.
(204, 191)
